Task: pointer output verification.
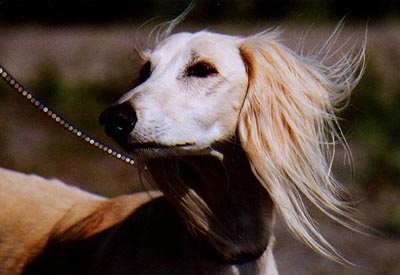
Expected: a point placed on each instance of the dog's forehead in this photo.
(205, 44)
(172, 42)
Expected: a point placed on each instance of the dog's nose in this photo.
(118, 120)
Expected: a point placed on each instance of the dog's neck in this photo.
(226, 209)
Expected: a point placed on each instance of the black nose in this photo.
(118, 120)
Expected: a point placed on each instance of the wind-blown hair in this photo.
(288, 128)
(158, 33)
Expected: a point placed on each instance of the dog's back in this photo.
(35, 210)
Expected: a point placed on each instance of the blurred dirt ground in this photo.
(102, 58)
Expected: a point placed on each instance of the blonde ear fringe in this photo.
(288, 129)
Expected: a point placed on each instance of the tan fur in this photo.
(33, 207)
(288, 129)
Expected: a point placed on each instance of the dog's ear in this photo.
(287, 128)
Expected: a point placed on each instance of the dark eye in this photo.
(145, 72)
(201, 69)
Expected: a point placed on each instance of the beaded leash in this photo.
(10, 80)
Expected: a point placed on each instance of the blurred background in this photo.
(78, 57)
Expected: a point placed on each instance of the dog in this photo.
(233, 130)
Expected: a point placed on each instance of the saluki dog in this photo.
(232, 130)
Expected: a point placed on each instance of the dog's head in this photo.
(190, 93)
(196, 90)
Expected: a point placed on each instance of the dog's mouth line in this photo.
(155, 145)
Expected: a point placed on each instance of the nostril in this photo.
(118, 120)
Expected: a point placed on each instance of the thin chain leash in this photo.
(11, 81)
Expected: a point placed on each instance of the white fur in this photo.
(173, 109)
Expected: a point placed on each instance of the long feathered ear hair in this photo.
(288, 129)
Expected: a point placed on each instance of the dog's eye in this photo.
(201, 69)
(145, 72)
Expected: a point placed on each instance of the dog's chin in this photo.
(151, 150)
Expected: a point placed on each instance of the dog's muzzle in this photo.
(118, 120)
